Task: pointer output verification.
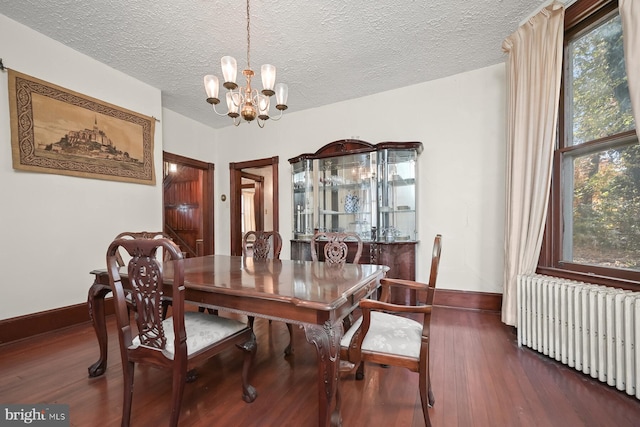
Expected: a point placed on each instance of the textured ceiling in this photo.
(325, 50)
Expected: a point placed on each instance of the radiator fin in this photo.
(593, 329)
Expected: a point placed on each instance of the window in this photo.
(593, 227)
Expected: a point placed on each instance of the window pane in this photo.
(598, 94)
(606, 208)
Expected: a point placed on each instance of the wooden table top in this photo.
(304, 285)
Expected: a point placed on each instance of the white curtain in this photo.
(630, 16)
(534, 69)
(248, 216)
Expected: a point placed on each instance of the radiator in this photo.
(594, 329)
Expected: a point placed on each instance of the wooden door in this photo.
(188, 204)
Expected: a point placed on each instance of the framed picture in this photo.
(56, 130)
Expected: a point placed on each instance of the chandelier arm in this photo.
(220, 114)
(276, 119)
(260, 123)
(240, 96)
(254, 96)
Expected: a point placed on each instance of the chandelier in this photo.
(246, 102)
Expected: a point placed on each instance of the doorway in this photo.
(188, 203)
(253, 196)
(252, 202)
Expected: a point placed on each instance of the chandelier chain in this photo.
(248, 37)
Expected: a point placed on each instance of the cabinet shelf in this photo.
(302, 190)
(344, 213)
(397, 211)
(337, 187)
(400, 182)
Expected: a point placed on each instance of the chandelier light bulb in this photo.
(263, 107)
(233, 104)
(282, 93)
(211, 86)
(229, 71)
(268, 74)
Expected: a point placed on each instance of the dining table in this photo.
(315, 295)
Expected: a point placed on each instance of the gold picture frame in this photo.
(56, 130)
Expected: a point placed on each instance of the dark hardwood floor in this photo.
(480, 378)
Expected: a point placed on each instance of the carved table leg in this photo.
(326, 338)
(95, 302)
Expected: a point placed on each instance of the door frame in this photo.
(208, 170)
(235, 197)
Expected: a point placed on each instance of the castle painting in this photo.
(55, 130)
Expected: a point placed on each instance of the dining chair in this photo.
(335, 249)
(388, 333)
(336, 254)
(263, 245)
(177, 343)
(166, 301)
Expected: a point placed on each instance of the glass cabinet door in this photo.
(397, 195)
(303, 199)
(346, 198)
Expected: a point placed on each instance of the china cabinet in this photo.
(369, 189)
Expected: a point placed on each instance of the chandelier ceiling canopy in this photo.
(244, 102)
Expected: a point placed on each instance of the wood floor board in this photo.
(480, 378)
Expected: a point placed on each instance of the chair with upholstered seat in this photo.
(335, 249)
(177, 343)
(384, 335)
(263, 245)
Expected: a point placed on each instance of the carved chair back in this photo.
(335, 249)
(140, 235)
(262, 244)
(145, 274)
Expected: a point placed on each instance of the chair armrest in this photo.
(404, 284)
(367, 304)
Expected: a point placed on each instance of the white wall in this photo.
(461, 122)
(54, 229)
(189, 138)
